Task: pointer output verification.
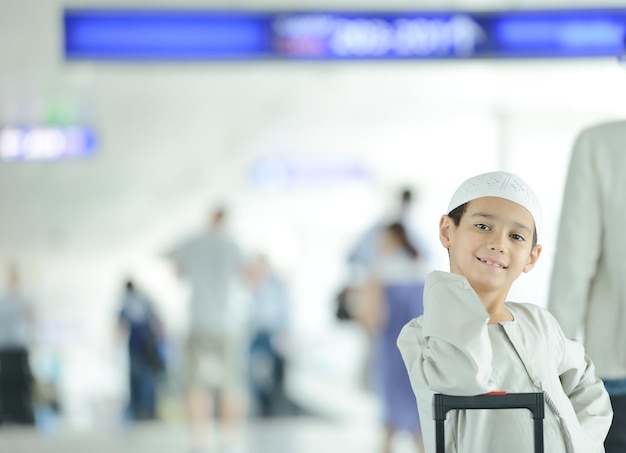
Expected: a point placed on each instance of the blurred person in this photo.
(588, 283)
(211, 262)
(362, 255)
(269, 323)
(392, 296)
(143, 328)
(16, 334)
(48, 370)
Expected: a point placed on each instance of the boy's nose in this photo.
(497, 243)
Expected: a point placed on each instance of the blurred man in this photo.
(268, 326)
(211, 262)
(143, 330)
(588, 286)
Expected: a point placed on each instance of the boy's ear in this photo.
(445, 225)
(532, 258)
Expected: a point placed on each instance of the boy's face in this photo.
(492, 245)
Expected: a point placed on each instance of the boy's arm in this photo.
(449, 351)
(584, 389)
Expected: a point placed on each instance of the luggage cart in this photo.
(534, 402)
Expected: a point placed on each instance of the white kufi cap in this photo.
(499, 184)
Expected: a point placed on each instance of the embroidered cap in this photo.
(499, 184)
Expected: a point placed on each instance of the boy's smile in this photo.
(491, 246)
(492, 262)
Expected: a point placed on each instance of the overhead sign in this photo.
(167, 35)
(45, 143)
(285, 172)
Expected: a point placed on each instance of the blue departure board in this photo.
(212, 35)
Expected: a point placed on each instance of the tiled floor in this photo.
(338, 421)
(354, 428)
(340, 417)
(294, 435)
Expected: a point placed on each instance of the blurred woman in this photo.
(392, 296)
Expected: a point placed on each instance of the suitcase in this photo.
(16, 385)
(534, 402)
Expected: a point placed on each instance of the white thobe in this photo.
(452, 349)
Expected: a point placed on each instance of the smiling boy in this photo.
(471, 340)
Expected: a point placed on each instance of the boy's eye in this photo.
(518, 237)
(482, 226)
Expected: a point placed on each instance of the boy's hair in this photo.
(457, 214)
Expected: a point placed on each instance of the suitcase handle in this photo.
(534, 402)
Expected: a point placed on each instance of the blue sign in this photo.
(96, 34)
(284, 172)
(328, 36)
(45, 143)
(166, 35)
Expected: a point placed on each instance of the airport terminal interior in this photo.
(304, 155)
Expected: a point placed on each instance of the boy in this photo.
(470, 341)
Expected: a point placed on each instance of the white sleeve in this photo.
(448, 350)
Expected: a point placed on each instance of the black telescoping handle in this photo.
(534, 402)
